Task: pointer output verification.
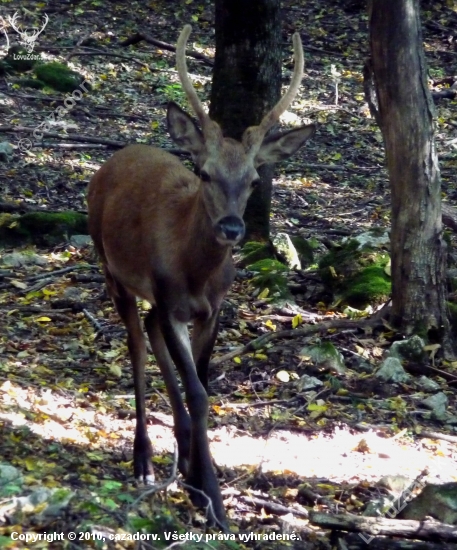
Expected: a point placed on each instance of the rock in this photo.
(17, 259)
(437, 404)
(395, 484)
(426, 384)
(437, 501)
(286, 250)
(391, 370)
(307, 383)
(9, 475)
(374, 238)
(6, 151)
(411, 349)
(80, 241)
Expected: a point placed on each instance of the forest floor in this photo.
(66, 400)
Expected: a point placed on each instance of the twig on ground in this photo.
(61, 271)
(76, 46)
(139, 36)
(275, 507)
(109, 54)
(93, 320)
(161, 486)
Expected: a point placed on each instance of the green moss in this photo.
(58, 76)
(31, 83)
(370, 285)
(41, 227)
(253, 251)
(55, 221)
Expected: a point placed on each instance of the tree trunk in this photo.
(406, 115)
(246, 84)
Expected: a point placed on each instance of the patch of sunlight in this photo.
(342, 455)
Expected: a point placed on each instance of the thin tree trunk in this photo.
(406, 115)
(247, 83)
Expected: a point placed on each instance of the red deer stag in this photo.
(166, 235)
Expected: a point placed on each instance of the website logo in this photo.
(27, 35)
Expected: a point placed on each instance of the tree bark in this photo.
(406, 115)
(246, 84)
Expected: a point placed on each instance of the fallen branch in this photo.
(108, 54)
(260, 342)
(70, 146)
(439, 435)
(139, 36)
(11, 207)
(67, 137)
(61, 271)
(423, 530)
(275, 508)
(76, 47)
(444, 94)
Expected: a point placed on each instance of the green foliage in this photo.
(271, 275)
(173, 92)
(58, 76)
(254, 251)
(324, 355)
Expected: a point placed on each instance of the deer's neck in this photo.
(206, 253)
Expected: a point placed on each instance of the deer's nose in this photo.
(232, 228)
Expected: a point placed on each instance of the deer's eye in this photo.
(255, 183)
(204, 176)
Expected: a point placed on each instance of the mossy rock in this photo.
(355, 274)
(342, 261)
(41, 228)
(58, 76)
(370, 286)
(31, 83)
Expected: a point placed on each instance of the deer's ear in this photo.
(184, 131)
(278, 147)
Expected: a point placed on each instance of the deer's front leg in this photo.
(204, 335)
(181, 419)
(201, 474)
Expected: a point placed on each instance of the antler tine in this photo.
(46, 19)
(12, 21)
(254, 135)
(184, 77)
